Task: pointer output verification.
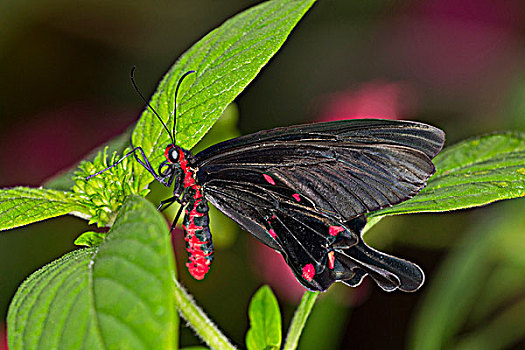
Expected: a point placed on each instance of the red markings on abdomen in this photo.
(199, 255)
(198, 238)
(196, 225)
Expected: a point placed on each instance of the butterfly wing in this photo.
(304, 190)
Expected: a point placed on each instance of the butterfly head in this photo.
(175, 164)
(172, 153)
(172, 164)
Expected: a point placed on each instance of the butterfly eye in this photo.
(172, 154)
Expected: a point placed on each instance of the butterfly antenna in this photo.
(176, 94)
(147, 103)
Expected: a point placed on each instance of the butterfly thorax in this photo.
(188, 172)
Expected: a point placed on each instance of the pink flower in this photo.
(456, 46)
(371, 100)
(3, 337)
(52, 141)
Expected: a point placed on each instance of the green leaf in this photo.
(265, 321)
(118, 295)
(501, 332)
(21, 206)
(472, 173)
(327, 323)
(90, 239)
(452, 293)
(225, 128)
(226, 61)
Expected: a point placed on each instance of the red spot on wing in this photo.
(308, 272)
(272, 233)
(334, 230)
(331, 260)
(269, 179)
(297, 197)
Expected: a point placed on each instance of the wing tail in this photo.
(356, 261)
(390, 273)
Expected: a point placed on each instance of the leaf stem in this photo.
(299, 320)
(198, 320)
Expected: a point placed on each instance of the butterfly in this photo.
(304, 191)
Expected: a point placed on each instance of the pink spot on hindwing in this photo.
(272, 233)
(308, 272)
(297, 197)
(331, 260)
(269, 179)
(334, 230)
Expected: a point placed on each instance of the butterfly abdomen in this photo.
(198, 236)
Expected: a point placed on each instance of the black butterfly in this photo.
(304, 191)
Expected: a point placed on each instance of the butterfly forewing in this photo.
(419, 136)
(348, 167)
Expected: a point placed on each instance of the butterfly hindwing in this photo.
(319, 249)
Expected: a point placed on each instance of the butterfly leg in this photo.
(174, 223)
(145, 163)
(164, 204)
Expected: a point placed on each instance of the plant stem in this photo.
(299, 320)
(198, 320)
